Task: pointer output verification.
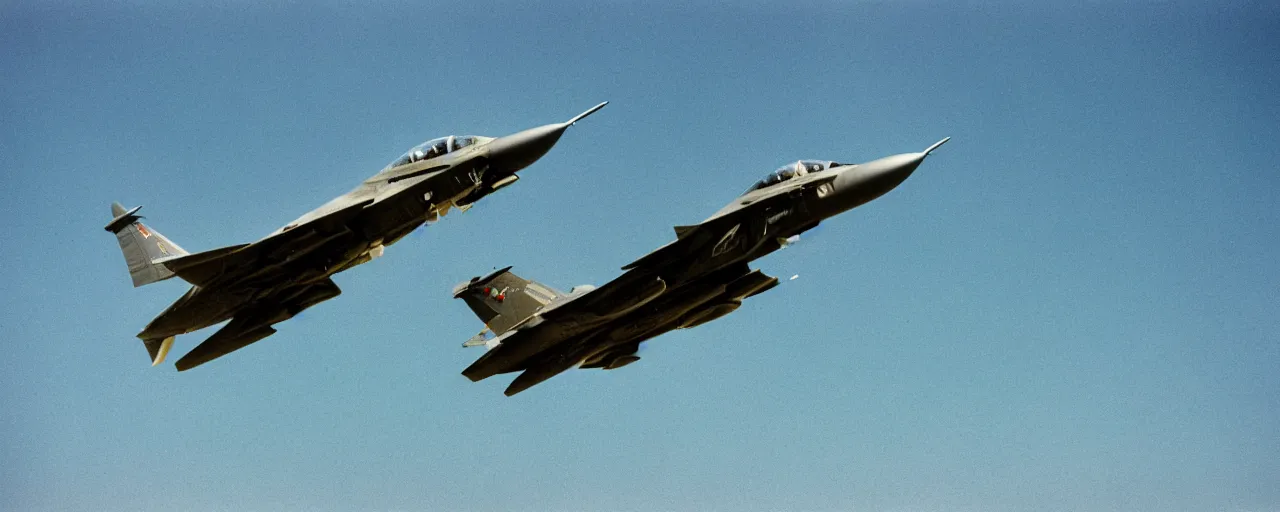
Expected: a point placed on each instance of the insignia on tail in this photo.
(142, 246)
(502, 300)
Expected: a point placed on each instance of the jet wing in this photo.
(201, 268)
(559, 322)
(255, 324)
(540, 373)
(227, 340)
(721, 293)
(690, 237)
(687, 239)
(615, 298)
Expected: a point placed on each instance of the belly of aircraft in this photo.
(199, 308)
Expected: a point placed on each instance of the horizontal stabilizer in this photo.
(178, 263)
(486, 339)
(479, 339)
(201, 267)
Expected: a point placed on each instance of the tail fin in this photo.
(141, 246)
(502, 299)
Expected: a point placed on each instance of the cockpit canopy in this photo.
(791, 170)
(436, 147)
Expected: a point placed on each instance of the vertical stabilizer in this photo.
(502, 299)
(141, 246)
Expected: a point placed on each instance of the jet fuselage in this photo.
(701, 276)
(259, 284)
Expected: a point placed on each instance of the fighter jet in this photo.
(701, 276)
(260, 284)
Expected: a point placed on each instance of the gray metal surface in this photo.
(699, 277)
(259, 284)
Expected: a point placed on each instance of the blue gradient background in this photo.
(1074, 305)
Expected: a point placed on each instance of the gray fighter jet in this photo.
(259, 284)
(701, 276)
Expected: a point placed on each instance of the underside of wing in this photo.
(227, 340)
(255, 323)
(545, 369)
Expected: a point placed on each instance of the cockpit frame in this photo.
(791, 170)
(435, 148)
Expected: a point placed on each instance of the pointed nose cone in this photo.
(887, 173)
(863, 183)
(519, 150)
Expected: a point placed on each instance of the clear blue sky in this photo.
(1074, 305)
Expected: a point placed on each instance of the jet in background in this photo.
(259, 284)
(701, 276)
